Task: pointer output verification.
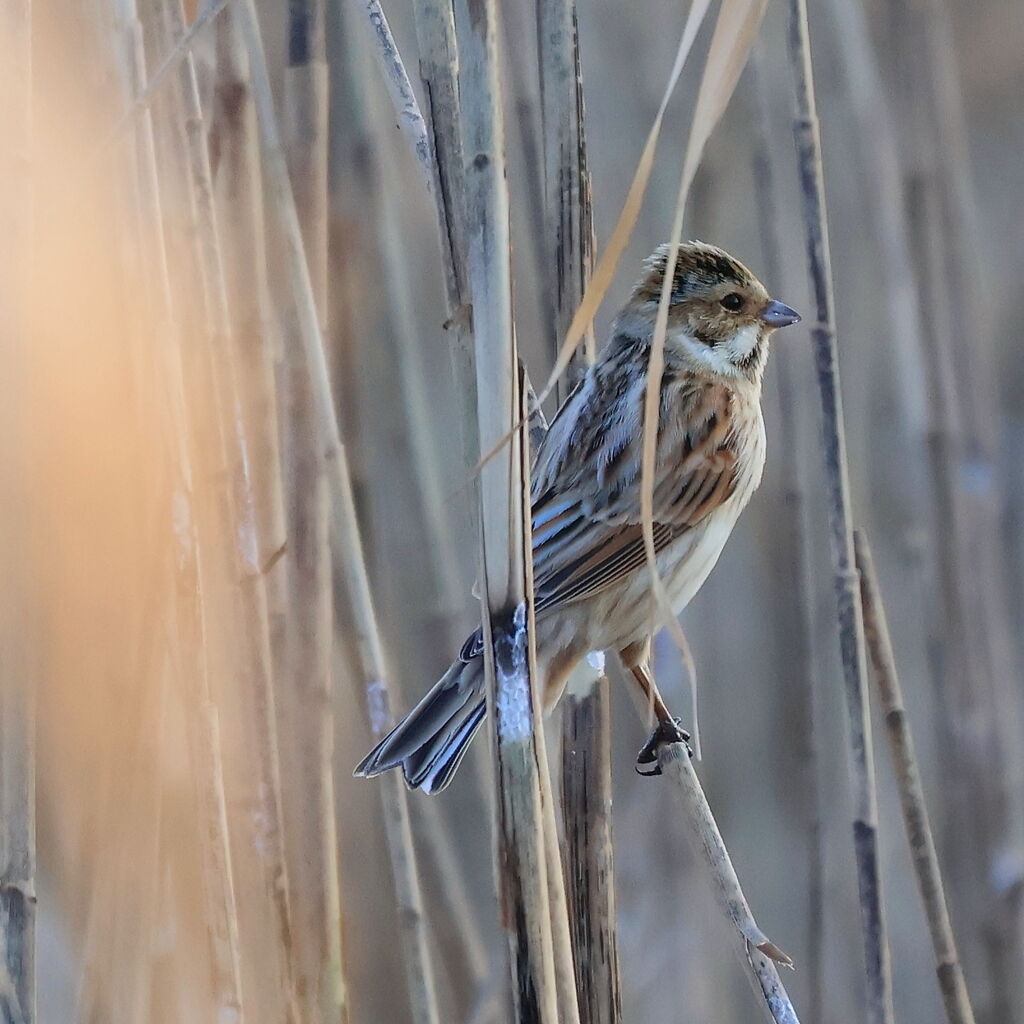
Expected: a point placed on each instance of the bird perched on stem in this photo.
(592, 584)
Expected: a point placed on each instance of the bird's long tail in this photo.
(430, 742)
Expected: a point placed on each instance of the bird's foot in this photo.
(668, 731)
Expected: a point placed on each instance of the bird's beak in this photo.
(778, 314)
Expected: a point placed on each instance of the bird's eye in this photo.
(733, 302)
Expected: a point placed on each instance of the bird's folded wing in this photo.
(587, 536)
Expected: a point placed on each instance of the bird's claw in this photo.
(667, 732)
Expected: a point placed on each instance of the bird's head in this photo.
(720, 316)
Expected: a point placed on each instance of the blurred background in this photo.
(168, 609)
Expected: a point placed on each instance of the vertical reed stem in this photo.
(309, 700)
(851, 625)
(17, 700)
(522, 854)
(794, 557)
(345, 537)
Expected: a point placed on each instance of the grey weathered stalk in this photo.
(568, 210)
(983, 772)
(345, 537)
(179, 52)
(439, 72)
(878, 971)
(589, 853)
(761, 953)
(522, 859)
(908, 778)
(308, 701)
(374, 182)
(794, 558)
(17, 698)
(567, 256)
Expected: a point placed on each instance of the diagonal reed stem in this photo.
(908, 778)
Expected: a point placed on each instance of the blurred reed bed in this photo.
(273, 281)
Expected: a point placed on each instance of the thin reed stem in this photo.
(191, 593)
(309, 700)
(761, 954)
(908, 778)
(794, 558)
(567, 255)
(878, 971)
(17, 698)
(345, 537)
(524, 857)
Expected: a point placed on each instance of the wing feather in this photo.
(586, 508)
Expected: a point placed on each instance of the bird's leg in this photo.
(667, 731)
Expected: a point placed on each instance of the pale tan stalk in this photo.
(541, 990)
(221, 911)
(234, 511)
(878, 971)
(17, 697)
(908, 778)
(345, 537)
(308, 701)
(567, 261)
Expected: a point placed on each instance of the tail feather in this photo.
(430, 742)
(435, 775)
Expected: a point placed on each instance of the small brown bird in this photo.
(592, 585)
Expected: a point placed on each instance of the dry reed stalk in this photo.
(878, 974)
(984, 769)
(308, 701)
(439, 73)
(567, 249)
(589, 854)
(17, 700)
(176, 55)
(795, 555)
(235, 505)
(455, 921)
(191, 631)
(436, 141)
(524, 858)
(238, 199)
(345, 538)
(762, 955)
(604, 271)
(17, 719)
(908, 777)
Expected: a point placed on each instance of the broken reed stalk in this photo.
(908, 778)
(345, 537)
(878, 971)
(17, 699)
(191, 594)
(794, 557)
(761, 953)
(524, 857)
(308, 701)
(442, 125)
(567, 256)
